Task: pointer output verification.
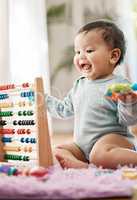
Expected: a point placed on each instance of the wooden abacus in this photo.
(15, 136)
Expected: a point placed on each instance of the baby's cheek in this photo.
(77, 68)
(89, 57)
(76, 63)
(74, 59)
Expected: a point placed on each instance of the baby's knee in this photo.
(100, 159)
(60, 149)
(57, 149)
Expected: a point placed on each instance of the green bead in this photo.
(19, 113)
(26, 158)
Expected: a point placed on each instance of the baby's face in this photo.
(92, 55)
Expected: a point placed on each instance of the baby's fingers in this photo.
(129, 97)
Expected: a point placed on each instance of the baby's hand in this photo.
(122, 91)
(130, 97)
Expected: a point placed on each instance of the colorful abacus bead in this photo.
(6, 105)
(6, 139)
(23, 131)
(26, 158)
(28, 131)
(24, 122)
(8, 170)
(16, 157)
(27, 149)
(6, 113)
(38, 171)
(30, 103)
(21, 103)
(25, 85)
(25, 112)
(7, 131)
(28, 140)
(7, 87)
(12, 148)
(27, 94)
(18, 148)
(3, 122)
(4, 96)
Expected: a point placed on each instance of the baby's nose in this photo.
(82, 61)
(82, 56)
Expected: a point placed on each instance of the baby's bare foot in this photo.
(69, 163)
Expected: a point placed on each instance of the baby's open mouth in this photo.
(86, 67)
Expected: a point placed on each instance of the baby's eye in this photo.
(90, 50)
(77, 52)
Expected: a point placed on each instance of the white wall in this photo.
(28, 40)
(4, 43)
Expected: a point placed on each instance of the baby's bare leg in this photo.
(112, 150)
(70, 156)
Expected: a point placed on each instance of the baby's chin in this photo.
(90, 76)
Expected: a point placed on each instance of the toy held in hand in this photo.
(123, 91)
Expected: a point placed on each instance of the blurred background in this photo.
(36, 39)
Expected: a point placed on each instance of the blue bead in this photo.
(109, 93)
(22, 140)
(27, 140)
(31, 93)
(134, 86)
(3, 139)
(25, 94)
(33, 140)
(4, 96)
(6, 139)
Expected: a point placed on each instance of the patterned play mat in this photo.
(70, 184)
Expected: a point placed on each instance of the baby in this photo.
(101, 133)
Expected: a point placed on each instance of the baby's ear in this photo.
(115, 55)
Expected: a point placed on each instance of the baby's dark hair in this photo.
(111, 34)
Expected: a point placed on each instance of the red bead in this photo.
(24, 85)
(38, 171)
(28, 131)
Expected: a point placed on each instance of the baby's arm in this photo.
(60, 108)
(127, 109)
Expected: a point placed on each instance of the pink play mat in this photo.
(68, 184)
